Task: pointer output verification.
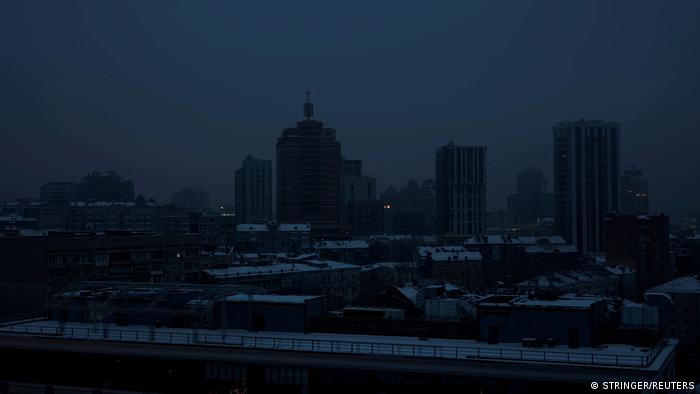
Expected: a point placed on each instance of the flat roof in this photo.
(617, 356)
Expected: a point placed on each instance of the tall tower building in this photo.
(254, 191)
(586, 180)
(635, 193)
(460, 182)
(309, 169)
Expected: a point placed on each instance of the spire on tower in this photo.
(308, 107)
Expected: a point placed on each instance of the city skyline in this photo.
(201, 97)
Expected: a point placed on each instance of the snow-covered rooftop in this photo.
(686, 284)
(277, 268)
(609, 356)
(271, 298)
(354, 244)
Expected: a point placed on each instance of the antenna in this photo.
(308, 106)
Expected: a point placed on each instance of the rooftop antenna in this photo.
(308, 107)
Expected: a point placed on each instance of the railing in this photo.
(334, 346)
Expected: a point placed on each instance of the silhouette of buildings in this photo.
(411, 210)
(107, 186)
(254, 191)
(309, 169)
(531, 202)
(635, 192)
(461, 190)
(641, 243)
(192, 199)
(59, 192)
(586, 180)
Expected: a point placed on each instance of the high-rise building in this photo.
(356, 186)
(586, 180)
(635, 192)
(254, 191)
(309, 170)
(59, 192)
(460, 184)
(531, 202)
(108, 186)
(192, 199)
(641, 243)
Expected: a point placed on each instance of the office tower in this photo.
(586, 180)
(254, 191)
(641, 243)
(460, 183)
(635, 193)
(59, 192)
(531, 202)
(192, 199)
(356, 186)
(108, 186)
(309, 170)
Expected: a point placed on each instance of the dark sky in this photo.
(177, 93)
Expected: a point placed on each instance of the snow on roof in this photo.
(251, 227)
(551, 249)
(500, 239)
(410, 292)
(294, 227)
(686, 284)
(562, 302)
(271, 298)
(355, 244)
(448, 253)
(615, 356)
(277, 268)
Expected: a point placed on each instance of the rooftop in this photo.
(608, 356)
(277, 268)
(686, 284)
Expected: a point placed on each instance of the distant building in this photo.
(355, 185)
(460, 184)
(254, 191)
(635, 192)
(641, 243)
(107, 186)
(531, 202)
(269, 238)
(361, 211)
(510, 259)
(452, 264)
(37, 265)
(586, 180)
(192, 199)
(339, 282)
(411, 210)
(309, 170)
(59, 192)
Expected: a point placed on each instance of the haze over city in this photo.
(175, 95)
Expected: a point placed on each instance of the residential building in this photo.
(254, 191)
(460, 185)
(586, 180)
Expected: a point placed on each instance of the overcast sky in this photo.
(177, 93)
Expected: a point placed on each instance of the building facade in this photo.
(309, 169)
(254, 191)
(461, 189)
(586, 180)
(635, 192)
(640, 242)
